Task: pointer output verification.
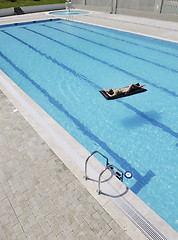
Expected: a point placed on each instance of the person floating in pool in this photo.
(126, 90)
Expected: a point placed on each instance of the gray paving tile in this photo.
(39, 197)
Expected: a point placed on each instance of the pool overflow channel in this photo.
(114, 170)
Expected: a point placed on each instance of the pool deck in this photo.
(42, 191)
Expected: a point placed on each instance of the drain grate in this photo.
(144, 225)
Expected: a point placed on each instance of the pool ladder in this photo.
(68, 5)
(114, 170)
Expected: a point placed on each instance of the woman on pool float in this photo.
(126, 90)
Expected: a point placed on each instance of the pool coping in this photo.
(57, 138)
(118, 29)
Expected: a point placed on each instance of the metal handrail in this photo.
(120, 176)
(107, 163)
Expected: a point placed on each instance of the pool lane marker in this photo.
(123, 163)
(114, 49)
(80, 76)
(138, 78)
(62, 21)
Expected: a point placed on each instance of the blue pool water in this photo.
(71, 12)
(62, 65)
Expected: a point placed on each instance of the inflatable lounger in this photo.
(135, 91)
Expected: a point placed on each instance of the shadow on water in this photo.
(142, 181)
(145, 180)
(151, 119)
(138, 121)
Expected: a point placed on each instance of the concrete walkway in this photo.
(39, 197)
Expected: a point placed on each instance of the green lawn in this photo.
(23, 3)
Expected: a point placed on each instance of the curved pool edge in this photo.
(65, 13)
(74, 155)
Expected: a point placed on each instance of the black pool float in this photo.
(109, 94)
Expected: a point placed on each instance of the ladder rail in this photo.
(86, 162)
(110, 167)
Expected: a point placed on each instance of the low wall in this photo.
(6, 12)
(32, 9)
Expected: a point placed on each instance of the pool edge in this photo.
(15, 95)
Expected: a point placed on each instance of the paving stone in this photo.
(106, 216)
(104, 226)
(31, 236)
(114, 226)
(22, 236)
(75, 227)
(82, 236)
(51, 236)
(8, 231)
(14, 220)
(112, 235)
(69, 218)
(17, 229)
(37, 229)
(5, 219)
(39, 197)
(27, 228)
(56, 229)
(94, 225)
(66, 228)
(62, 236)
(3, 236)
(72, 236)
(42, 236)
(92, 235)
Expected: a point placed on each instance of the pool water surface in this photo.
(62, 65)
(71, 12)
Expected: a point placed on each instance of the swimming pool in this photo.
(62, 65)
(71, 12)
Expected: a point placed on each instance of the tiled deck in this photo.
(39, 197)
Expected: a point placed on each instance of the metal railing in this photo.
(114, 170)
(86, 162)
(170, 7)
(145, 6)
(118, 173)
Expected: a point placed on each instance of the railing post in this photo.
(114, 6)
(158, 6)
